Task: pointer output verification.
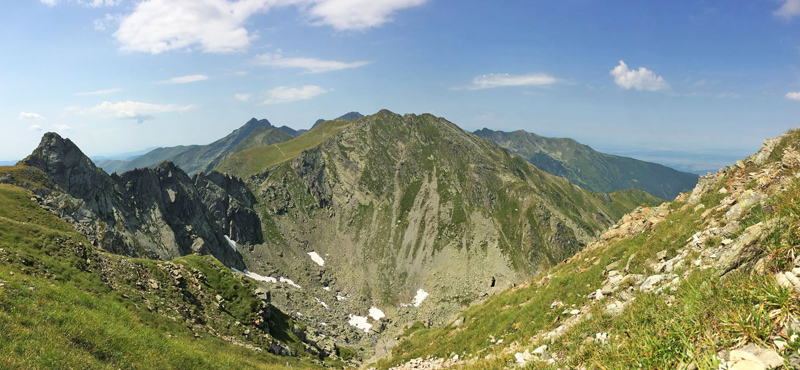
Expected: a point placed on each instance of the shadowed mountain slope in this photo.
(591, 169)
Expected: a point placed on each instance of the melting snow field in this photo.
(231, 242)
(376, 313)
(316, 258)
(254, 276)
(360, 322)
(421, 295)
(287, 281)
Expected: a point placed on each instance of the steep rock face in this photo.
(230, 204)
(395, 204)
(591, 169)
(154, 213)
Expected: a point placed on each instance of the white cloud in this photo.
(357, 14)
(183, 80)
(641, 79)
(98, 92)
(63, 128)
(789, 9)
(30, 115)
(311, 65)
(101, 24)
(283, 94)
(89, 3)
(35, 128)
(131, 110)
(506, 80)
(793, 95)
(243, 97)
(218, 26)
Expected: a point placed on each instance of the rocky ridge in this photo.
(155, 213)
(590, 169)
(395, 204)
(740, 233)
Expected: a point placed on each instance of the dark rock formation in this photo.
(153, 213)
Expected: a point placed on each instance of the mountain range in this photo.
(591, 169)
(350, 231)
(204, 158)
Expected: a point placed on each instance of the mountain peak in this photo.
(254, 122)
(65, 164)
(350, 116)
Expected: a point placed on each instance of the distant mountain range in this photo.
(203, 158)
(591, 169)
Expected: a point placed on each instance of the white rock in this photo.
(574, 312)
(540, 350)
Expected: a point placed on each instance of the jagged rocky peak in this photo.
(66, 165)
(148, 212)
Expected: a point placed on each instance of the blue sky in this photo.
(693, 84)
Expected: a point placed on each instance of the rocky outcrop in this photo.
(230, 204)
(154, 213)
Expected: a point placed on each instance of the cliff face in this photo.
(154, 213)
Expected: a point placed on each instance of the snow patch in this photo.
(421, 295)
(321, 302)
(376, 313)
(287, 281)
(326, 288)
(340, 297)
(266, 279)
(231, 243)
(360, 322)
(316, 258)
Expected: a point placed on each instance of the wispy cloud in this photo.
(283, 94)
(35, 128)
(506, 80)
(641, 79)
(183, 80)
(311, 65)
(98, 92)
(89, 3)
(63, 128)
(243, 97)
(30, 115)
(789, 9)
(218, 26)
(357, 14)
(132, 110)
(793, 95)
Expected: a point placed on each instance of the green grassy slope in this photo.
(709, 308)
(591, 169)
(65, 304)
(203, 158)
(253, 160)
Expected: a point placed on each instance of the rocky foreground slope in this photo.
(708, 281)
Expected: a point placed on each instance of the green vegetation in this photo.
(203, 158)
(61, 307)
(688, 324)
(254, 160)
(590, 169)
